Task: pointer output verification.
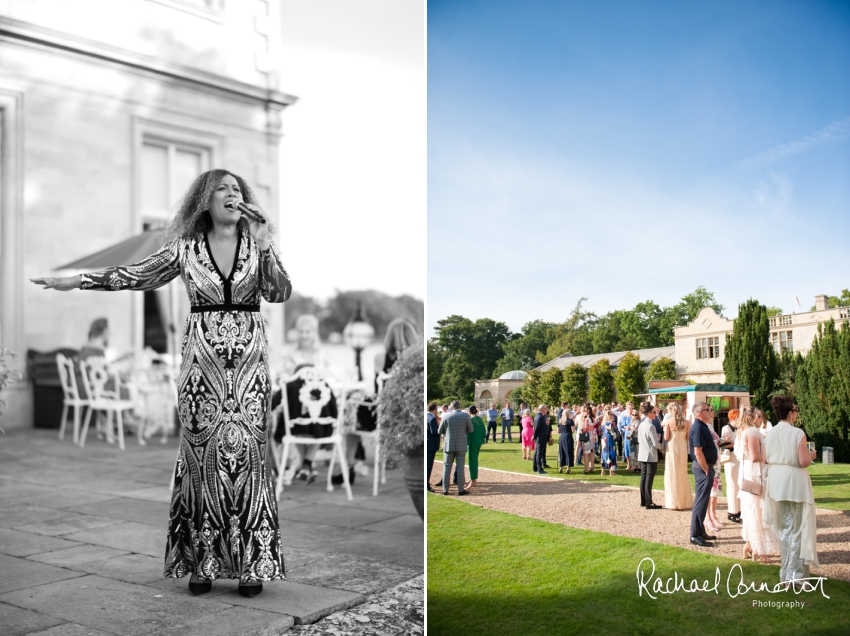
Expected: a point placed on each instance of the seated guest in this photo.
(789, 507)
(307, 353)
(400, 334)
(97, 346)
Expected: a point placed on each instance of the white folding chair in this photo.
(70, 396)
(96, 373)
(157, 394)
(314, 383)
(380, 468)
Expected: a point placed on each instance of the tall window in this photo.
(708, 348)
(168, 169)
(782, 341)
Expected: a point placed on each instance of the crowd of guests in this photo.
(768, 488)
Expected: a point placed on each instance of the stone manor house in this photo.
(697, 351)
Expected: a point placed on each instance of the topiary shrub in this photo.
(401, 405)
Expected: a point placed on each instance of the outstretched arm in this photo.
(154, 271)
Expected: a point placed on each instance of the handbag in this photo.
(752, 487)
(584, 437)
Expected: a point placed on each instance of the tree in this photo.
(380, 310)
(574, 384)
(788, 364)
(550, 386)
(685, 312)
(749, 358)
(522, 350)
(774, 311)
(629, 378)
(531, 389)
(600, 382)
(645, 326)
(661, 369)
(691, 304)
(470, 349)
(573, 335)
(515, 397)
(610, 333)
(436, 360)
(823, 390)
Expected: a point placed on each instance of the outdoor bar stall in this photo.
(723, 397)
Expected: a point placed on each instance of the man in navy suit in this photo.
(433, 435)
(542, 430)
(704, 452)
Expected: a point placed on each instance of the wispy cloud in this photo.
(832, 132)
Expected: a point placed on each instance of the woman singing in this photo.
(223, 518)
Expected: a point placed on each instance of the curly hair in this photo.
(193, 213)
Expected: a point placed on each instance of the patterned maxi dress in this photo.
(223, 518)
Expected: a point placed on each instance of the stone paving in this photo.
(82, 535)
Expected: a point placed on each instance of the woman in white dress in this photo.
(731, 466)
(790, 502)
(749, 448)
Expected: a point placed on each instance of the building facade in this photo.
(108, 110)
(496, 391)
(700, 345)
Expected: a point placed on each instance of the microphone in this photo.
(244, 209)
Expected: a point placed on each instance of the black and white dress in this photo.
(223, 518)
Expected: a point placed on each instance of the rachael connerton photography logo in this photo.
(735, 585)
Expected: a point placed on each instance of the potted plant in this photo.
(8, 375)
(401, 412)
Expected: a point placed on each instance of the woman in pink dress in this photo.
(527, 435)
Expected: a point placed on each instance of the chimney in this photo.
(821, 302)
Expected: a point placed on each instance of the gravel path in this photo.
(577, 504)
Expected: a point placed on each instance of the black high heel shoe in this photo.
(202, 586)
(249, 591)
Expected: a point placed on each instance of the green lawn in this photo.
(831, 483)
(495, 573)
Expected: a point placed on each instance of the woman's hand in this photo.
(62, 284)
(259, 231)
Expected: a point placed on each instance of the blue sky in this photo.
(627, 151)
